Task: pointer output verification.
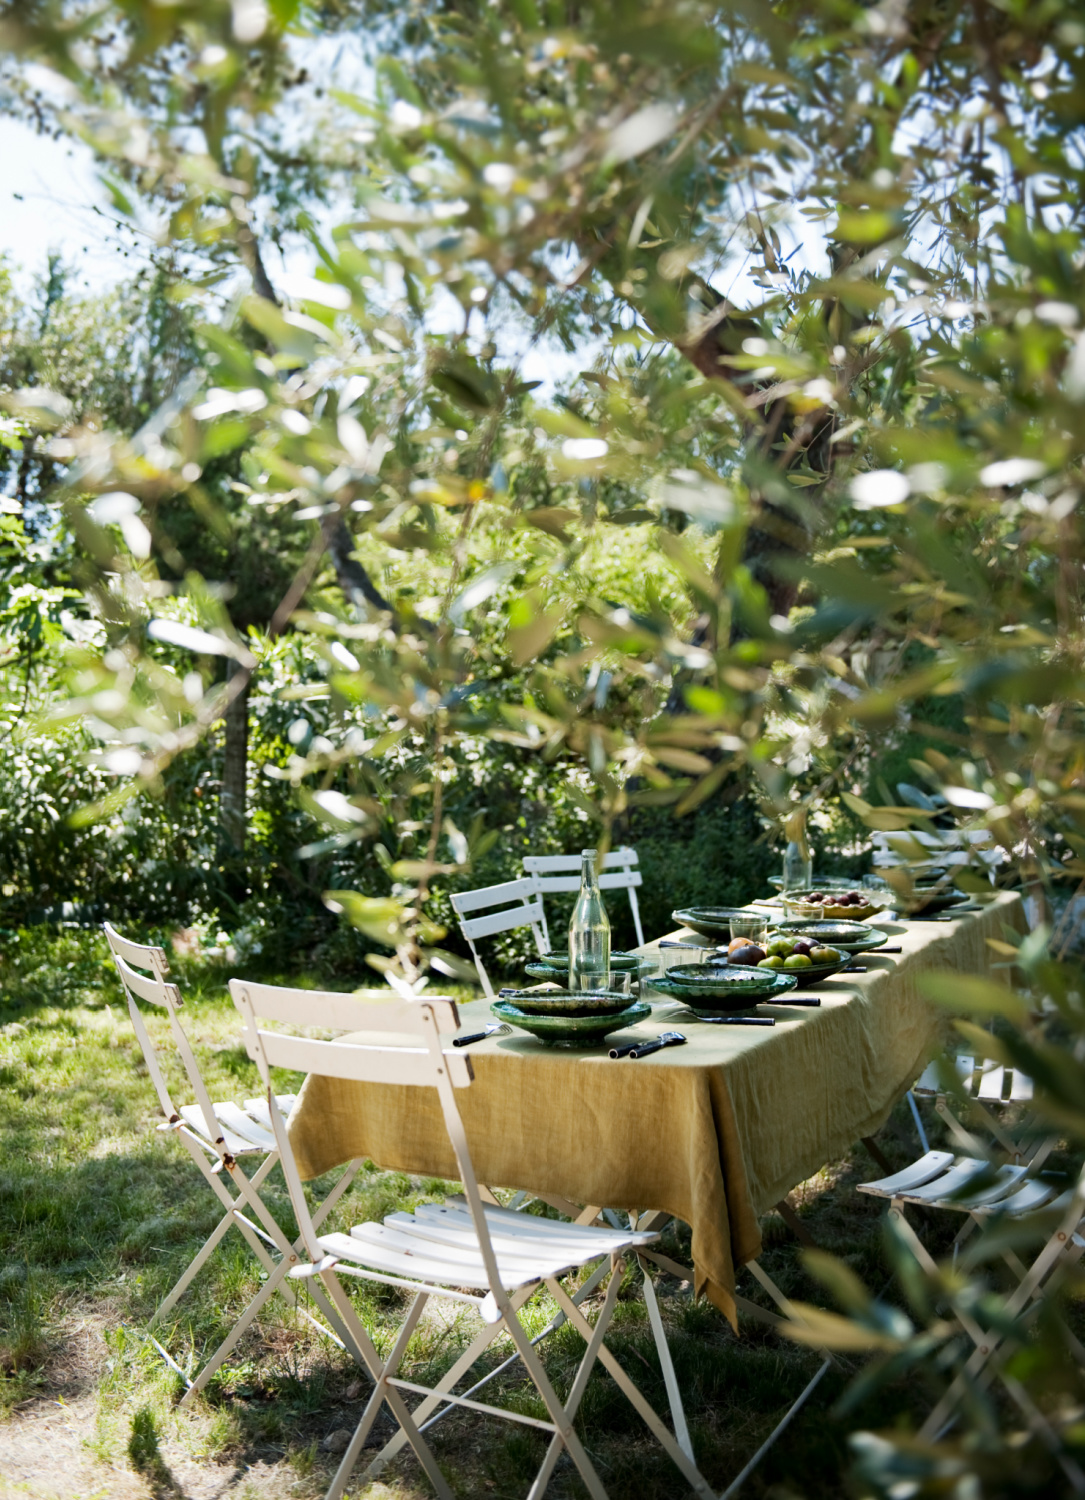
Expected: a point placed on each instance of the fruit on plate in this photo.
(819, 956)
(738, 943)
(749, 955)
(774, 961)
(786, 947)
(797, 961)
(838, 898)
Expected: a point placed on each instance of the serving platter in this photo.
(577, 1031)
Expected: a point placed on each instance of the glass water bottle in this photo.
(589, 932)
(798, 868)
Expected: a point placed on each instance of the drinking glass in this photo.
(753, 928)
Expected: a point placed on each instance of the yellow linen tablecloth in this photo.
(714, 1132)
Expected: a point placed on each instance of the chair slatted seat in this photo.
(465, 1249)
(976, 1184)
(219, 1135)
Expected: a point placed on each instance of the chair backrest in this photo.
(401, 1042)
(983, 1079)
(525, 910)
(129, 958)
(560, 874)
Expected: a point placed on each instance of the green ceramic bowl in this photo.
(564, 1002)
(851, 937)
(715, 1003)
(580, 1031)
(722, 979)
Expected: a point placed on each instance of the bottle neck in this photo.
(589, 881)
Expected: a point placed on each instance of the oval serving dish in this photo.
(580, 1031)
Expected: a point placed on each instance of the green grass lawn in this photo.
(100, 1213)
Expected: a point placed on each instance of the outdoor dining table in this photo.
(713, 1133)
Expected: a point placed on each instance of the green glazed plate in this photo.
(554, 1002)
(709, 921)
(560, 961)
(850, 937)
(581, 1031)
(637, 968)
(713, 1003)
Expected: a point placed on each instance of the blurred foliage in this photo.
(683, 417)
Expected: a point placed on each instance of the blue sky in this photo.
(48, 194)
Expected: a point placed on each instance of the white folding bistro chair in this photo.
(986, 1086)
(982, 1187)
(218, 1136)
(560, 873)
(944, 1181)
(525, 910)
(500, 1256)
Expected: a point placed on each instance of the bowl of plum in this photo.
(807, 958)
(853, 904)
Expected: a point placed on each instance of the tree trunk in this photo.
(235, 764)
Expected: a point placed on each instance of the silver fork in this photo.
(495, 1028)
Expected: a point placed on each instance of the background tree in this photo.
(866, 479)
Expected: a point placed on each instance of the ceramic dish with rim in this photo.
(851, 937)
(542, 970)
(562, 1002)
(579, 1031)
(716, 1003)
(721, 979)
(559, 959)
(709, 921)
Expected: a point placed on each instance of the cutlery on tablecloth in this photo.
(808, 1000)
(496, 1028)
(645, 1049)
(738, 1020)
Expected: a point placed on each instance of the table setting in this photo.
(672, 1076)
